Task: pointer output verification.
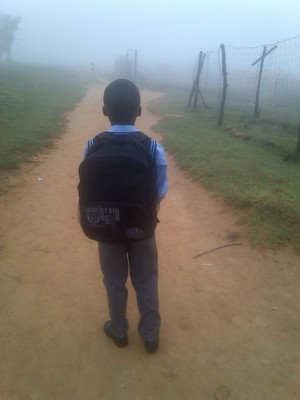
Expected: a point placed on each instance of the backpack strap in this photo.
(136, 136)
(153, 146)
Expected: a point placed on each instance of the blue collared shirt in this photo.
(160, 158)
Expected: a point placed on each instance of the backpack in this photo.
(117, 188)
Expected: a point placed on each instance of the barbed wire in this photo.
(253, 47)
(279, 94)
(266, 44)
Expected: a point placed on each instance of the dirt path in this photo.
(230, 318)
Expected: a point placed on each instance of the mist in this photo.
(167, 35)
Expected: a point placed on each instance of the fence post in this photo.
(197, 81)
(261, 59)
(191, 95)
(135, 66)
(225, 85)
(256, 107)
(195, 89)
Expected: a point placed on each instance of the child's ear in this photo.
(104, 110)
(139, 111)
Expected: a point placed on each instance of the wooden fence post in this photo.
(127, 64)
(261, 60)
(256, 107)
(196, 89)
(135, 66)
(197, 81)
(225, 86)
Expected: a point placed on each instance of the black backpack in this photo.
(117, 188)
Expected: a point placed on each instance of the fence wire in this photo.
(279, 96)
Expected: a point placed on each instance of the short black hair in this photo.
(122, 101)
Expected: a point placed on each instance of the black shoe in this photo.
(151, 346)
(119, 341)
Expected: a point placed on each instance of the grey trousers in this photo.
(141, 261)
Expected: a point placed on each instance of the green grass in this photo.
(33, 103)
(239, 163)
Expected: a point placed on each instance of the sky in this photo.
(77, 32)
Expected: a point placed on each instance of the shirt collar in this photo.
(122, 129)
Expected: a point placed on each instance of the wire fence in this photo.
(126, 65)
(263, 81)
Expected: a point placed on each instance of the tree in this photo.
(8, 26)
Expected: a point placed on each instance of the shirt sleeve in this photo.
(161, 168)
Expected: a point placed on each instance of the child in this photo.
(138, 257)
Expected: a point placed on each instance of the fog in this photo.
(77, 32)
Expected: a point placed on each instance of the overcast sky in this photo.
(81, 31)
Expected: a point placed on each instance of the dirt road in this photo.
(230, 318)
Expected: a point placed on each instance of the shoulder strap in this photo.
(153, 146)
(137, 136)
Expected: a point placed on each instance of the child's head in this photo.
(122, 102)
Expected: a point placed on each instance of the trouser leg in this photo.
(114, 265)
(143, 261)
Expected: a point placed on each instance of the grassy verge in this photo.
(238, 162)
(33, 102)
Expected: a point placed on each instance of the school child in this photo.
(133, 169)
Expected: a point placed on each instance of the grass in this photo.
(33, 103)
(246, 162)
